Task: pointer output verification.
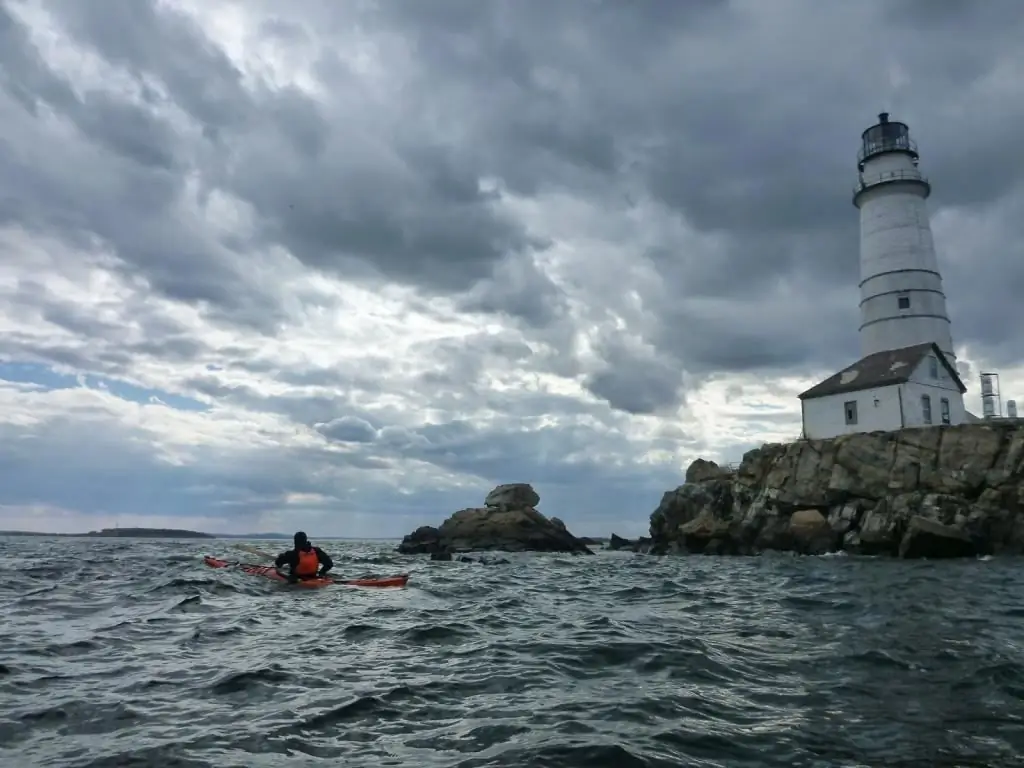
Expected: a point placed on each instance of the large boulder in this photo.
(508, 522)
(811, 534)
(943, 491)
(512, 496)
(702, 469)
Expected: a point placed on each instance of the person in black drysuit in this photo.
(303, 561)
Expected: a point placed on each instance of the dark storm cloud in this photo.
(343, 186)
(748, 136)
(740, 119)
(147, 38)
(517, 288)
(551, 457)
(119, 475)
(633, 379)
(985, 282)
(752, 137)
(126, 199)
(592, 490)
(113, 345)
(348, 429)
(95, 480)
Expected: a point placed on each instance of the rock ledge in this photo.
(507, 522)
(931, 492)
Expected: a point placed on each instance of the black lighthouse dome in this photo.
(883, 137)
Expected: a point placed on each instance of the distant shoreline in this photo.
(176, 533)
(147, 533)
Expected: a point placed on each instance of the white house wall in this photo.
(921, 383)
(877, 409)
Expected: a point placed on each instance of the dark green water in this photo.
(118, 653)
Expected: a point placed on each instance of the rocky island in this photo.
(508, 521)
(940, 491)
(149, 533)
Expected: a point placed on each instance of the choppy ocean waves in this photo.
(123, 653)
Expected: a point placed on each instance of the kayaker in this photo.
(304, 561)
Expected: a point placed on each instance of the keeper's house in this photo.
(897, 388)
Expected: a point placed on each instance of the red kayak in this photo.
(269, 572)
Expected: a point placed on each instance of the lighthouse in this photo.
(907, 375)
(902, 302)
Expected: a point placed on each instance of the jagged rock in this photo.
(927, 538)
(506, 523)
(513, 496)
(447, 557)
(616, 543)
(925, 492)
(425, 539)
(702, 469)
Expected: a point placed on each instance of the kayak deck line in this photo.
(269, 572)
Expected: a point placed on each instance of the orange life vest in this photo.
(308, 563)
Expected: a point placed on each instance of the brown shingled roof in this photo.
(893, 366)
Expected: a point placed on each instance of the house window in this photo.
(933, 367)
(926, 409)
(903, 302)
(850, 407)
(944, 406)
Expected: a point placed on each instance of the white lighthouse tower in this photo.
(907, 375)
(901, 298)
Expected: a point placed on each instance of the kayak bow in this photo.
(269, 572)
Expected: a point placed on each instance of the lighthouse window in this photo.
(933, 367)
(944, 406)
(850, 406)
(904, 302)
(926, 409)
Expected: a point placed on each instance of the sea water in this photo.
(133, 653)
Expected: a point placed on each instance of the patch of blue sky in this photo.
(47, 378)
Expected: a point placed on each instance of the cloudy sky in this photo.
(345, 265)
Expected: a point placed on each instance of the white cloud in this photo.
(358, 272)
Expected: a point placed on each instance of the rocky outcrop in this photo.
(449, 557)
(508, 521)
(618, 544)
(930, 492)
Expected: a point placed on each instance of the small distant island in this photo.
(148, 533)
